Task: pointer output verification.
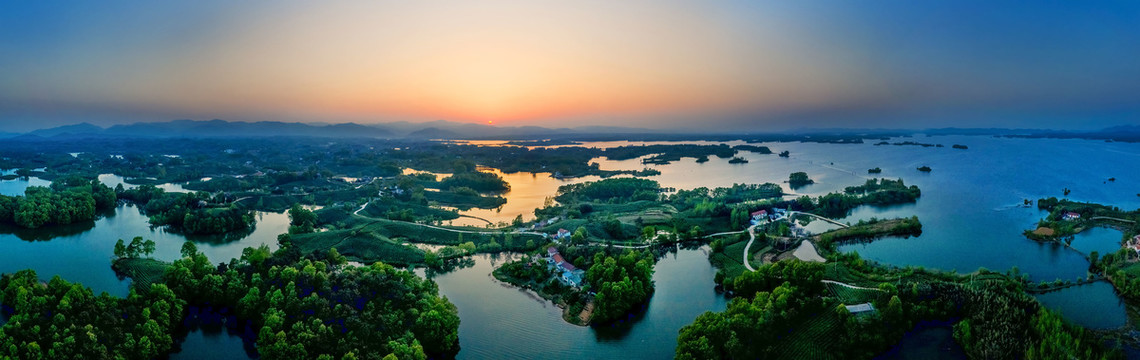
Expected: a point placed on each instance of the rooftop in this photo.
(859, 308)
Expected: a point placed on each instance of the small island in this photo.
(613, 286)
(959, 146)
(799, 179)
(924, 168)
(737, 160)
(784, 153)
(874, 171)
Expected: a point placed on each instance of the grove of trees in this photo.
(68, 200)
(622, 283)
(189, 213)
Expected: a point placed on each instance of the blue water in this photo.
(927, 343)
(82, 252)
(17, 186)
(969, 211)
(970, 205)
(1093, 305)
(213, 335)
(499, 321)
(1100, 239)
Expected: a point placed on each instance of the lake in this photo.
(1095, 306)
(684, 290)
(82, 252)
(16, 187)
(969, 209)
(927, 343)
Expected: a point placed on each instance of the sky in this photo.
(753, 65)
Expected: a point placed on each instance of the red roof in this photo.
(568, 266)
(563, 231)
(761, 212)
(551, 250)
(1072, 214)
(558, 258)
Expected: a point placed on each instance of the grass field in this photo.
(1132, 270)
(729, 259)
(360, 245)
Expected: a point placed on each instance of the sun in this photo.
(489, 122)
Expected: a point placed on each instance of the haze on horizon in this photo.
(762, 65)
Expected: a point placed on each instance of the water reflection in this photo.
(17, 186)
(684, 290)
(82, 252)
(1103, 240)
(112, 180)
(215, 334)
(1095, 306)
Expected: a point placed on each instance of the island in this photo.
(799, 179)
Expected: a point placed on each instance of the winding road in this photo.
(794, 213)
(751, 238)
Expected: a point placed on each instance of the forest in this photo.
(68, 200)
(189, 213)
(63, 320)
(622, 283)
(784, 311)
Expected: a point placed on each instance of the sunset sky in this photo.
(767, 65)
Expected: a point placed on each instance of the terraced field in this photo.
(851, 296)
(815, 337)
(143, 272)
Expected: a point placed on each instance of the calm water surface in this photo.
(930, 343)
(1103, 240)
(17, 186)
(969, 211)
(82, 252)
(519, 325)
(1095, 305)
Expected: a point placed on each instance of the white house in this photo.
(759, 215)
(569, 273)
(860, 308)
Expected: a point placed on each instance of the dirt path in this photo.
(587, 313)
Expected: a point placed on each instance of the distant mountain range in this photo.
(232, 129)
(441, 129)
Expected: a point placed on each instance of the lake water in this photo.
(1093, 305)
(17, 186)
(519, 325)
(112, 180)
(214, 336)
(969, 211)
(82, 252)
(1103, 240)
(528, 192)
(927, 343)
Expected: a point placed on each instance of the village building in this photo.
(1134, 244)
(1071, 216)
(759, 215)
(568, 273)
